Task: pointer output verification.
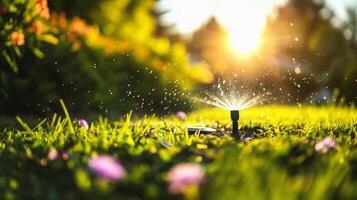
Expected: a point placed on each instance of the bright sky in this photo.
(188, 15)
(243, 19)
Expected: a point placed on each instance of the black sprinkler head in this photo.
(235, 115)
(235, 119)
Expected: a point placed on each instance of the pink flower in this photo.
(52, 154)
(325, 145)
(83, 123)
(184, 175)
(181, 115)
(107, 167)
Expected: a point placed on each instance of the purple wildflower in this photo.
(181, 115)
(325, 145)
(183, 176)
(106, 167)
(83, 123)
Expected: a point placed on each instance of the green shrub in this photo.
(98, 73)
(23, 27)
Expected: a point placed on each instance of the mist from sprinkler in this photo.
(232, 100)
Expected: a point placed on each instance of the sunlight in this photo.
(245, 39)
(244, 29)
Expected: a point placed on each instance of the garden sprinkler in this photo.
(231, 98)
(235, 119)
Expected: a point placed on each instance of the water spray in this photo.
(235, 119)
(232, 97)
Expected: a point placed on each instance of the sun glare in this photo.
(244, 32)
(244, 41)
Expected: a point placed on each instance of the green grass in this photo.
(276, 159)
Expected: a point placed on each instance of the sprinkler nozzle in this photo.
(235, 118)
(235, 115)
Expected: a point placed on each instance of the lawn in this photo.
(278, 155)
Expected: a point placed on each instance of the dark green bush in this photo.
(89, 81)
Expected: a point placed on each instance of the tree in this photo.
(209, 44)
(112, 64)
(302, 32)
(351, 26)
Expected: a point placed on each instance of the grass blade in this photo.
(67, 116)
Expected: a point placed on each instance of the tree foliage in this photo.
(303, 31)
(107, 60)
(23, 27)
(302, 51)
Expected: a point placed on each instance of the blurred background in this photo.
(107, 57)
